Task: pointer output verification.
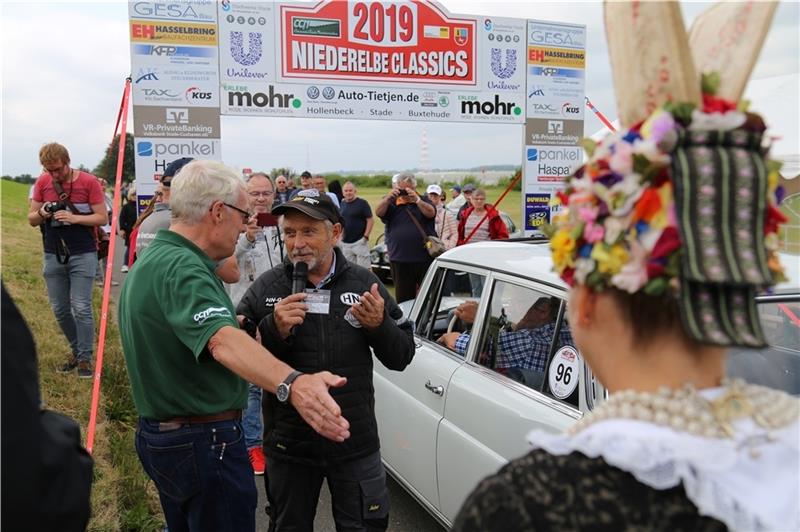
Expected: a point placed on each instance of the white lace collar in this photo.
(749, 482)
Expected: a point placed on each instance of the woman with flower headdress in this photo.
(666, 235)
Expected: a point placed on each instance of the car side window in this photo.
(518, 333)
(450, 289)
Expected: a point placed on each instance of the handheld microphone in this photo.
(299, 280)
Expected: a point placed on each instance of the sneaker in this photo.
(69, 366)
(124, 268)
(257, 460)
(85, 370)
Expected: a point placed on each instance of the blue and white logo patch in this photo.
(349, 298)
(352, 320)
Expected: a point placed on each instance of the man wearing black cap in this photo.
(343, 313)
(306, 183)
(160, 219)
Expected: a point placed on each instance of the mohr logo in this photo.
(177, 115)
(261, 99)
(495, 107)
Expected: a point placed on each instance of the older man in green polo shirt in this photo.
(189, 362)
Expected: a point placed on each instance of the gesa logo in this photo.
(150, 9)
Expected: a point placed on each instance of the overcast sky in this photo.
(64, 66)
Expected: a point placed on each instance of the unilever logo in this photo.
(254, 48)
(503, 72)
(328, 93)
(144, 149)
(313, 92)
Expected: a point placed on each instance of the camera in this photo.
(53, 207)
(403, 192)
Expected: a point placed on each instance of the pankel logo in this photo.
(144, 149)
(193, 94)
(500, 70)
(533, 154)
(315, 26)
(261, 99)
(190, 148)
(177, 115)
(555, 127)
(254, 48)
(496, 107)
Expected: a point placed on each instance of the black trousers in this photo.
(359, 495)
(407, 277)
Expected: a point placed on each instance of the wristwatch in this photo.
(285, 388)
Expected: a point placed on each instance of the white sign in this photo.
(564, 372)
(247, 41)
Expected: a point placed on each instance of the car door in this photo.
(490, 409)
(410, 404)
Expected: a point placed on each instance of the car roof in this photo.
(524, 258)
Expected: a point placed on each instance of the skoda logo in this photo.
(328, 93)
(313, 92)
(444, 101)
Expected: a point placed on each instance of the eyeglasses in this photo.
(245, 215)
(256, 194)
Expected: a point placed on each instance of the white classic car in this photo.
(455, 416)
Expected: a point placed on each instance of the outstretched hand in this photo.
(313, 401)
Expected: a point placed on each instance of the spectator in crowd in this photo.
(444, 224)
(188, 361)
(358, 222)
(151, 206)
(405, 242)
(468, 189)
(258, 250)
(71, 204)
(127, 219)
(336, 189)
(320, 183)
(282, 191)
(160, 219)
(480, 221)
(104, 235)
(290, 185)
(458, 200)
(305, 183)
(354, 319)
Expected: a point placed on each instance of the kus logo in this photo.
(271, 99)
(149, 74)
(194, 94)
(503, 71)
(254, 47)
(570, 109)
(496, 107)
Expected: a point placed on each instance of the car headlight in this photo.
(375, 257)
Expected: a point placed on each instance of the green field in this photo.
(790, 232)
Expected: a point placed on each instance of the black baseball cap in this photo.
(173, 168)
(311, 203)
(306, 174)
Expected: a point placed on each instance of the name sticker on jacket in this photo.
(318, 301)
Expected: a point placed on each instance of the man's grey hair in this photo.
(198, 185)
(405, 177)
(261, 174)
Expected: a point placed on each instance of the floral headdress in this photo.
(683, 203)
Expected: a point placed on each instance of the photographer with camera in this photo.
(258, 250)
(71, 205)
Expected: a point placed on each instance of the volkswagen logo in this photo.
(328, 93)
(313, 92)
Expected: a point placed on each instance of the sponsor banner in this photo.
(555, 108)
(143, 201)
(175, 11)
(176, 94)
(551, 164)
(369, 103)
(548, 88)
(152, 155)
(174, 55)
(553, 132)
(378, 41)
(556, 35)
(247, 41)
(176, 122)
(502, 50)
(556, 57)
(152, 32)
(537, 210)
(153, 76)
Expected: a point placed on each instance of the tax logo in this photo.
(149, 74)
(328, 93)
(313, 92)
(500, 70)
(254, 46)
(177, 115)
(155, 93)
(144, 149)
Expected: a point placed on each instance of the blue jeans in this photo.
(69, 287)
(203, 475)
(251, 420)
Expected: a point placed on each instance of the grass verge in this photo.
(122, 496)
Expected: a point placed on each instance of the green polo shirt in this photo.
(171, 304)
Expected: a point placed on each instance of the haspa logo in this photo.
(262, 99)
(496, 107)
(254, 47)
(498, 68)
(194, 94)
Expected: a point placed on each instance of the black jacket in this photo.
(328, 342)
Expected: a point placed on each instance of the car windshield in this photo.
(778, 365)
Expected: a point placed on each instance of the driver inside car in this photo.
(523, 350)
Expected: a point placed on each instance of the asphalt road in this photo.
(405, 514)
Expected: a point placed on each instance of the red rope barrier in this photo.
(121, 126)
(600, 116)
